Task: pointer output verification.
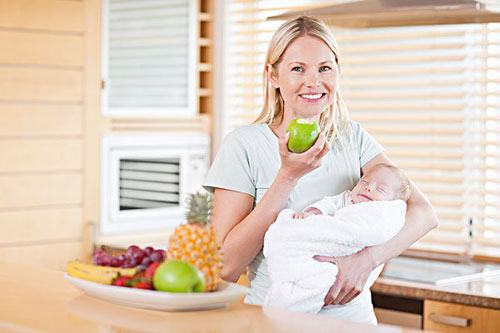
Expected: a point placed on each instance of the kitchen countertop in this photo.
(483, 292)
(40, 300)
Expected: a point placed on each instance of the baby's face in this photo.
(377, 184)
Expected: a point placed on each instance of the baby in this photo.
(371, 214)
(382, 182)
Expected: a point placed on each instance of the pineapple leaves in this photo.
(199, 208)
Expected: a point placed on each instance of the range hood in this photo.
(390, 13)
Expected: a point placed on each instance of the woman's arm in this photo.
(241, 229)
(420, 219)
(355, 269)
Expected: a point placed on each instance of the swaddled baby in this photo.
(371, 214)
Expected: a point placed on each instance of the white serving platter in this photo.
(159, 300)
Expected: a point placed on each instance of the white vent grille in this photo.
(149, 183)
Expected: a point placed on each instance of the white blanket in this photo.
(299, 282)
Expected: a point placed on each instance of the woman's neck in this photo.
(279, 129)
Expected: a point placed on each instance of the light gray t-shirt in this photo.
(248, 161)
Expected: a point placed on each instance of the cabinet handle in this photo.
(450, 320)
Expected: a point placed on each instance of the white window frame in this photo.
(149, 112)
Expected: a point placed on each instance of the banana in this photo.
(99, 274)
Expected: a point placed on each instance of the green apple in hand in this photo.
(303, 134)
(178, 276)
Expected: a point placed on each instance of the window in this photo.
(430, 95)
(149, 58)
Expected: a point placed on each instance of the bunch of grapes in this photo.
(134, 257)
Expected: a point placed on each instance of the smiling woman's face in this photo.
(307, 78)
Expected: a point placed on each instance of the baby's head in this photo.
(382, 182)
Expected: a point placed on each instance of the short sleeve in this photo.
(231, 168)
(368, 147)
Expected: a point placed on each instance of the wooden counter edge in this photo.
(424, 291)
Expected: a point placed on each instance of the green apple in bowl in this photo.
(303, 134)
(178, 276)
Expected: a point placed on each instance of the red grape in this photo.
(139, 255)
(131, 249)
(134, 257)
(146, 261)
(157, 255)
(97, 257)
(115, 262)
(121, 259)
(133, 262)
(148, 250)
(106, 260)
(127, 264)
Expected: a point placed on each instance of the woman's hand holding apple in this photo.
(294, 166)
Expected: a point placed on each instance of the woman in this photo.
(254, 176)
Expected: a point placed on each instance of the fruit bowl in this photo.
(224, 294)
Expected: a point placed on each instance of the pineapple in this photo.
(195, 242)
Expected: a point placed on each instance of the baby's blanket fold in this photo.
(299, 282)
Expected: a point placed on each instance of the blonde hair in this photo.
(404, 191)
(334, 121)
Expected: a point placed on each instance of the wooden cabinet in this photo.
(449, 317)
(398, 310)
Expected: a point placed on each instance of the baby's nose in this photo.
(368, 188)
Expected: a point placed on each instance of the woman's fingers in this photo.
(318, 146)
(326, 148)
(343, 292)
(319, 149)
(283, 144)
(323, 258)
(333, 294)
(350, 296)
(297, 165)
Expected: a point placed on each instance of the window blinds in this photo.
(486, 154)
(148, 57)
(428, 94)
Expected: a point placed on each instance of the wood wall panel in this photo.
(51, 255)
(41, 49)
(40, 84)
(96, 124)
(49, 100)
(30, 119)
(42, 75)
(60, 16)
(24, 155)
(40, 225)
(32, 190)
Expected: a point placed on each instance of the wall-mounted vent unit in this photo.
(146, 178)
